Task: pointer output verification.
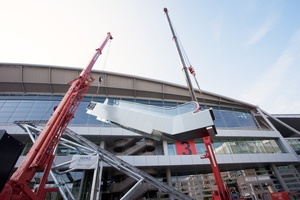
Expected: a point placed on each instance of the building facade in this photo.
(256, 152)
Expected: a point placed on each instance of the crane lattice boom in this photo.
(41, 155)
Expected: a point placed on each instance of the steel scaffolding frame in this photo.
(87, 147)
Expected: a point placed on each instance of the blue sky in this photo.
(247, 50)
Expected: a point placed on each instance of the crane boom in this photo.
(41, 154)
(188, 80)
(222, 193)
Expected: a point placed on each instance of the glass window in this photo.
(226, 149)
(218, 147)
(245, 119)
(260, 146)
(243, 146)
(268, 146)
(171, 148)
(7, 109)
(252, 146)
(234, 147)
(44, 97)
(276, 146)
(22, 109)
(142, 101)
(230, 118)
(36, 114)
(156, 103)
(3, 120)
(46, 116)
(219, 121)
(44, 104)
(200, 147)
(26, 104)
(170, 104)
(128, 99)
(19, 115)
(233, 119)
(11, 104)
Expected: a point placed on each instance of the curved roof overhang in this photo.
(40, 79)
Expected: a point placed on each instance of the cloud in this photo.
(216, 27)
(261, 31)
(270, 84)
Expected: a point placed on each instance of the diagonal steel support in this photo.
(87, 147)
(133, 189)
(62, 186)
(126, 168)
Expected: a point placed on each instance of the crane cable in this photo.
(191, 69)
(101, 78)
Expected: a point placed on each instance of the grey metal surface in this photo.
(181, 123)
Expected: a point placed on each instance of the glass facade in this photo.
(40, 107)
(226, 118)
(231, 146)
(295, 144)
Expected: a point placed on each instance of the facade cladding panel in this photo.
(253, 156)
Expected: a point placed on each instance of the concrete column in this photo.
(81, 185)
(169, 180)
(165, 148)
(169, 177)
(94, 191)
(102, 145)
(279, 177)
(265, 118)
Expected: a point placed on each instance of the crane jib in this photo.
(96, 55)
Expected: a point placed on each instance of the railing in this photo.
(173, 111)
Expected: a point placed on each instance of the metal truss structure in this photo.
(86, 147)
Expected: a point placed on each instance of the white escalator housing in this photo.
(180, 123)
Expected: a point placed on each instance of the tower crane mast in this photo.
(41, 155)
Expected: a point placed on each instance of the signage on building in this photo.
(84, 162)
(185, 148)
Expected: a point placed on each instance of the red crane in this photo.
(222, 193)
(40, 156)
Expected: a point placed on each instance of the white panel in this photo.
(139, 161)
(94, 130)
(152, 160)
(175, 160)
(186, 160)
(244, 158)
(128, 159)
(198, 161)
(254, 157)
(225, 158)
(164, 160)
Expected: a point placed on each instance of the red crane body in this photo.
(41, 155)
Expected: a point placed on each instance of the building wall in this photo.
(246, 146)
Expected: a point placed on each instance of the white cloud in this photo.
(268, 87)
(217, 26)
(261, 31)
